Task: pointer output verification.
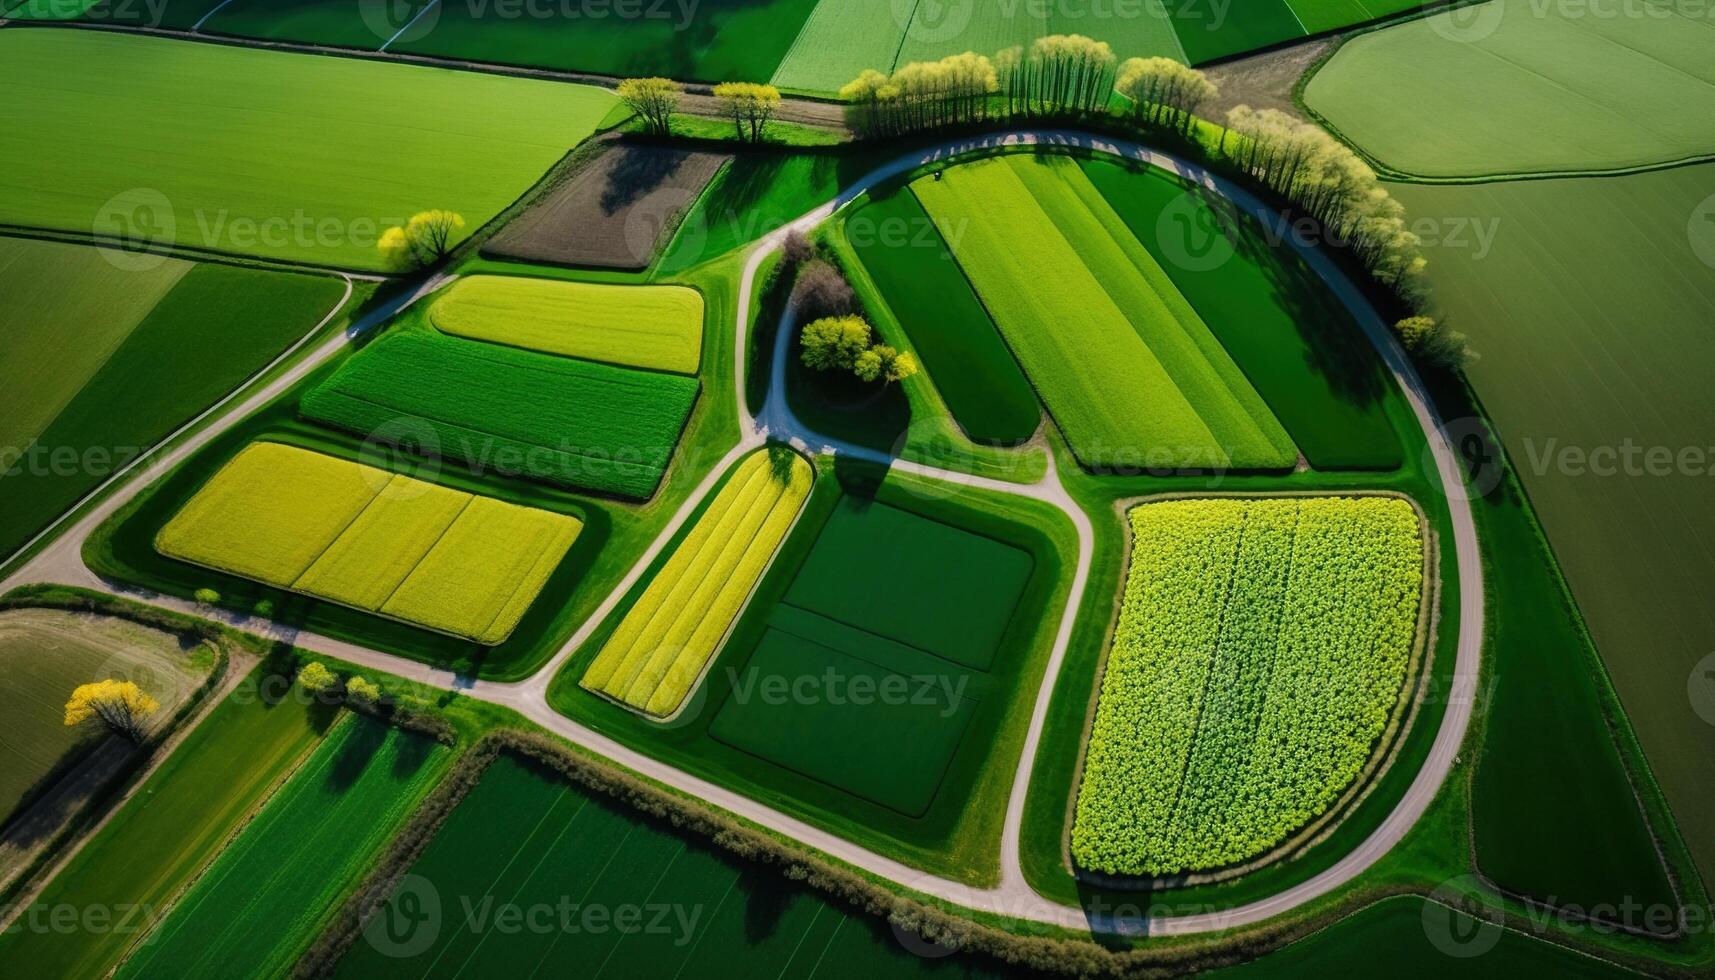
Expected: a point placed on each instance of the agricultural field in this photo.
(162, 343)
(261, 901)
(938, 603)
(619, 212)
(701, 910)
(44, 655)
(572, 423)
(1270, 312)
(373, 540)
(1140, 342)
(972, 368)
(704, 42)
(660, 650)
(171, 14)
(1510, 89)
(308, 173)
(1591, 368)
(1261, 654)
(330, 22)
(168, 832)
(659, 328)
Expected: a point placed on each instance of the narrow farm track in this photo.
(1013, 897)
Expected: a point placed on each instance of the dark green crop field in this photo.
(965, 356)
(264, 898)
(1292, 340)
(568, 422)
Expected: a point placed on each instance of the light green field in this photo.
(655, 327)
(44, 654)
(372, 540)
(661, 647)
(1506, 88)
(841, 39)
(56, 291)
(317, 155)
(1137, 342)
(1594, 366)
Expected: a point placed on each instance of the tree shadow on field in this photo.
(635, 171)
(356, 752)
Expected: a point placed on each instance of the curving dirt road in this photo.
(1013, 897)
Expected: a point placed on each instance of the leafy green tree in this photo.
(1164, 91)
(424, 240)
(206, 597)
(362, 691)
(833, 343)
(884, 363)
(316, 677)
(654, 100)
(750, 105)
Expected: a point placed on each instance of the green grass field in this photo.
(1261, 651)
(1138, 342)
(331, 22)
(264, 897)
(655, 327)
(165, 835)
(571, 423)
(173, 14)
(1508, 89)
(45, 654)
(696, 909)
(309, 172)
(1591, 369)
(1274, 316)
(376, 541)
(710, 42)
(894, 671)
(205, 336)
(659, 652)
(964, 355)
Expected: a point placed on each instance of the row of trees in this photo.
(750, 105)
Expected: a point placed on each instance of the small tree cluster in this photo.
(1164, 92)
(116, 706)
(316, 678)
(424, 240)
(821, 291)
(1432, 342)
(846, 343)
(750, 105)
(654, 100)
(1318, 172)
(922, 95)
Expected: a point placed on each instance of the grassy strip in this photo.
(659, 328)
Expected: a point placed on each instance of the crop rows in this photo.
(655, 327)
(375, 541)
(659, 650)
(574, 423)
(1261, 648)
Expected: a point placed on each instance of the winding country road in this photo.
(62, 562)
